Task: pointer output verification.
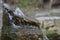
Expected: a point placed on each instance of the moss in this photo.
(53, 35)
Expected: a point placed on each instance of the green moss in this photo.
(52, 35)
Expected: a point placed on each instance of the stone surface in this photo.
(0, 16)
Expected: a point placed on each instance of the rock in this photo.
(15, 27)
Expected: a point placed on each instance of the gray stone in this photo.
(1, 11)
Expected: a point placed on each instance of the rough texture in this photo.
(0, 16)
(14, 28)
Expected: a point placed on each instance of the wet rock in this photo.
(15, 27)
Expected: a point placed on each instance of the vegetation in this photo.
(53, 35)
(24, 3)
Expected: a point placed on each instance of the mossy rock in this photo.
(52, 35)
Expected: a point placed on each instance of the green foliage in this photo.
(24, 3)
